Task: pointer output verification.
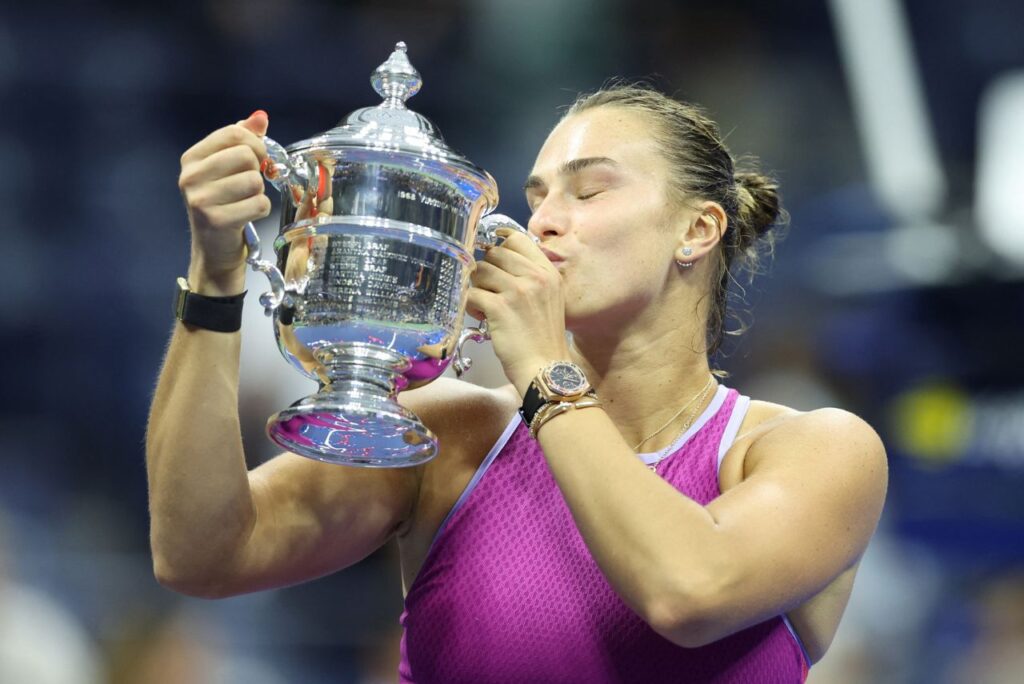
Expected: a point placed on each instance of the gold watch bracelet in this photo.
(557, 408)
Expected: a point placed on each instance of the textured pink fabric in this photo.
(510, 593)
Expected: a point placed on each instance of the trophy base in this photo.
(353, 428)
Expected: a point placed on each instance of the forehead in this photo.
(620, 134)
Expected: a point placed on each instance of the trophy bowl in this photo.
(379, 224)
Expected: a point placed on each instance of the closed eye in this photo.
(588, 195)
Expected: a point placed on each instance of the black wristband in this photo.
(220, 314)
(532, 402)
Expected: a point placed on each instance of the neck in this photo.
(643, 380)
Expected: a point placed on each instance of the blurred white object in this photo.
(41, 641)
(923, 253)
(999, 211)
(888, 101)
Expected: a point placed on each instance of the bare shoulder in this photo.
(773, 435)
(452, 408)
(823, 432)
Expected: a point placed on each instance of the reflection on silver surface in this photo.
(382, 286)
(422, 196)
(379, 221)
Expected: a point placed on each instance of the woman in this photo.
(624, 518)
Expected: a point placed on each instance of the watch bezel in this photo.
(559, 389)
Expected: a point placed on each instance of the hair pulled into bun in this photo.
(759, 204)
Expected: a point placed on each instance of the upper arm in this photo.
(804, 513)
(314, 518)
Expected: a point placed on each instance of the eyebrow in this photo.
(570, 167)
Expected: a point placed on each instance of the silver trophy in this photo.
(379, 223)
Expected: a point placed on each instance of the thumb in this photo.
(257, 122)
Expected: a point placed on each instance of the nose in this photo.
(547, 221)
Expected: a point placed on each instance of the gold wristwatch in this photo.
(559, 387)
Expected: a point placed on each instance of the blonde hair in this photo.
(704, 169)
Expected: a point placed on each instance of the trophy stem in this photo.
(365, 378)
(364, 363)
(355, 419)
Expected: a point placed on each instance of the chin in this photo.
(585, 320)
(581, 316)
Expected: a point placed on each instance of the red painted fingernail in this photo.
(263, 165)
(321, 190)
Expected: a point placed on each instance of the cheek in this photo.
(625, 273)
(625, 241)
(634, 252)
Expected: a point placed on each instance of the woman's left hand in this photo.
(519, 291)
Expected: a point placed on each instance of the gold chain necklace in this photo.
(676, 414)
(699, 399)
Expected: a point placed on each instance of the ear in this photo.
(703, 230)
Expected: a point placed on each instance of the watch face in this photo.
(565, 378)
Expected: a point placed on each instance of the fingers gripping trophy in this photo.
(379, 223)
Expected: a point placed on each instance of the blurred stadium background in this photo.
(896, 127)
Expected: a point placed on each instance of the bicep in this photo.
(314, 518)
(803, 514)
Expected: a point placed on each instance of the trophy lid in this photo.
(391, 130)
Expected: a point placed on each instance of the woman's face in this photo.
(601, 206)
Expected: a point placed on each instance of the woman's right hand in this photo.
(223, 190)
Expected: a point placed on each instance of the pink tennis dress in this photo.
(509, 592)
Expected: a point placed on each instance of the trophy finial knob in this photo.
(396, 80)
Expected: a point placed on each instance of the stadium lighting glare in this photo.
(999, 181)
(888, 102)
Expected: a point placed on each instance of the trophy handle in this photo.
(485, 238)
(278, 295)
(277, 168)
(463, 363)
(485, 233)
(279, 171)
